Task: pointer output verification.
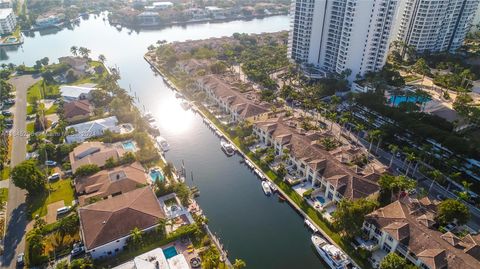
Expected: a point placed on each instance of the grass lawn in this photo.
(38, 92)
(29, 109)
(59, 190)
(5, 173)
(3, 195)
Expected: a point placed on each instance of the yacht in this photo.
(266, 188)
(162, 143)
(333, 256)
(185, 105)
(228, 148)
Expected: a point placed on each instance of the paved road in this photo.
(16, 207)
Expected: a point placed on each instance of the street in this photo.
(16, 207)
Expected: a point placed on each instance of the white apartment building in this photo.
(336, 35)
(435, 25)
(8, 21)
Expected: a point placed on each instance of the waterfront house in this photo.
(78, 64)
(106, 226)
(157, 6)
(408, 227)
(148, 18)
(44, 22)
(156, 259)
(240, 106)
(78, 110)
(192, 66)
(95, 153)
(308, 162)
(76, 92)
(110, 182)
(82, 131)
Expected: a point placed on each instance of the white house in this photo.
(8, 21)
(76, 92)
(85, 130)
(106, 226)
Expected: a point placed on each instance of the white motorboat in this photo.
(333, 256)
(162, 143)
(228, 148)
(272, 186)
(266, 188)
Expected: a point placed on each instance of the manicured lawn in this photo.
(60, 190)
(29, 109)
(31, 127)
(5, 173)
(40, 91)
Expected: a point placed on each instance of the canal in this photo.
(258, 229)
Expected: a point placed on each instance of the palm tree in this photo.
(410, 158)
(465, 194)
(437, 177)
(161, 228)
(84, 52)
(169, 170)
(74, 50)
(136, 236)
(373, 135)
(102, 58)
(394, 149)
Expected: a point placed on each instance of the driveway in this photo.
(16, 207)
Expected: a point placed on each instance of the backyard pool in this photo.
(398, 99)
(170, 252)
(156, 174)
(129, 146)
(321, 200)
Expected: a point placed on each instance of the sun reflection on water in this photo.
(172, 117)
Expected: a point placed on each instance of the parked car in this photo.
(63, 210)
(77, 251)
(50, 163)
(450, 227)
(54, 176)
(30, 117)
(21, 259)
(10, 121)
(6, 113)
(9, 102)
(8, 125)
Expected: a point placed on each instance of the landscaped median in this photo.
(313, 214)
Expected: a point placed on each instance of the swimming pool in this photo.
(156, 174)
(321, 199)
(129, 146)
(396, 100)
(170, 252)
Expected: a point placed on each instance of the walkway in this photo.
(16, 207)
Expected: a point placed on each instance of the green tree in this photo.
(450, 210)
(169, 170)
(393, 149)
(136, 237)
(350, 215)
(86, 170)
(239, 263)
(27, 176)
(393, 261)
(162, 228)
(102, 58)
(84, 52)
(110, 163)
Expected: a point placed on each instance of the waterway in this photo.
(258, 229)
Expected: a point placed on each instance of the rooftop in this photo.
(113, 181)
(410, 222)
(111, 219)
(94, 153)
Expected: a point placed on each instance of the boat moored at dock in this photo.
(266, 188)
(228, 148)
(332, 255)
(162, 143)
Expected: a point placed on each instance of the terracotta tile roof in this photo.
(94, 153)
(431, 246)
(398, 230)
(114, 218)
(304, 146)
(117, 180)
(77, 108)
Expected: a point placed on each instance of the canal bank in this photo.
(261, 230)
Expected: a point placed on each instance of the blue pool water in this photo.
(156, 175)
(170, 252)
(321, 199)
(396, 100)
(129, 146)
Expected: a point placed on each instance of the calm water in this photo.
(256, 228)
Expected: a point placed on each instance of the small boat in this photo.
(148, 116)
(249, 163)
(266, 188)
(259, 174)
(281, 198)
(311, 226)
(333, 256)
(179, 95)
(118, 26)
(185, 105)
(272, 185)
(228, 148)
(162, 143)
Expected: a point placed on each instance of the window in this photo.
(116, 250)
(387, 248)
(390, 238)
